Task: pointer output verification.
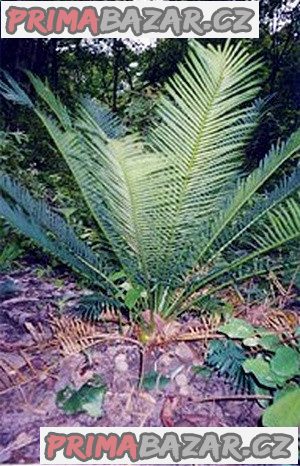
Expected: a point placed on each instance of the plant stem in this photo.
(229, 398)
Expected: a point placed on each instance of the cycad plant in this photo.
(178, 217)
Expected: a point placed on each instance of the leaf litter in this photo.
(99, 386)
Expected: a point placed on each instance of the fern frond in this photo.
(88, 156)
(264, 204)
(121, 173)
(247, 188)
(259, 267)
(13, 92)
(92, 307)
(227, 359)
(35, 219)
(204, 124)
(201, 286)
(114, 175)
(278, 229)
(110, 123)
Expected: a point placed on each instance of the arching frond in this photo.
(264, 204)
(110, 123)
(280, 227)
(112, 174)
(248, 187)
(11, 90)
(37, 221)
(53, 103)
(277, 229)
(120, 191)
(204, 124)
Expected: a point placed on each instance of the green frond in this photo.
(110, 123)
(248, 187)
(85, 149)
(264, 204)
(91, 307)
(196, 289)
(280, 227)
(227, 358)
(113, 175)
(121, 172)
(107, 121)
(11, 90)
(203, 126)
(259, 267)
(34, 219)
(276, 230)
(53, 102)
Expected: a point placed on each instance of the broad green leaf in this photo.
(269, 342)
(251, 341)
(153, 380)
(132, 296)
(203, 371)
(259, 390)
(261, 370)
(290, 387)
(284, 412)
(286, 362)
(92, 400)
(118, 275)
(89, 398)
(262, 331)
(237, 328)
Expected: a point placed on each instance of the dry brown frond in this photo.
(281, 321)
(203, 329)
(36, 332)
(113, 315)
(74, 335)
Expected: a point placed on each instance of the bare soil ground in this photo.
(32, 371)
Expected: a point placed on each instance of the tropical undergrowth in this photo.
(178, 218)
(262, 361)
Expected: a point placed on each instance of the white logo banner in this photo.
(159, 445)
(130, 19)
